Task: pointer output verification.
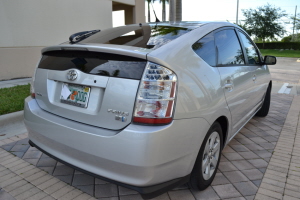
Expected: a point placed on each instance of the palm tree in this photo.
(163, 9)
(175, 10)
(149, 2)
(178, 10)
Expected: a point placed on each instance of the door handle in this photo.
(229, 86)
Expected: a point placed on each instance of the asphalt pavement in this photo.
(285, 76)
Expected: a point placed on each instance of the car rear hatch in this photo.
(94, 85)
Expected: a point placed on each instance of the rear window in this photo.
(102, 64)
(145, 36)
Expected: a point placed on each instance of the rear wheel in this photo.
(264, 110)
(208, 159)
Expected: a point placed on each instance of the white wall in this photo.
(129, 2)
(18, 62)
(50, 22)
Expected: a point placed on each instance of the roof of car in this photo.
(145, 35)
(183, 24)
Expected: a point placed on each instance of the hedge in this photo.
(279, 45)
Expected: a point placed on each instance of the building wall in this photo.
(29, 25)
(139, 11)
(18, 62)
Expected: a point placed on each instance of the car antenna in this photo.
(157, 20)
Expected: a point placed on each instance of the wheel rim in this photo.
(211, 155)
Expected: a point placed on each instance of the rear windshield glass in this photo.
(145, 36)
(96, 63)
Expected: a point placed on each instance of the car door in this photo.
(260, 70)
(236, 77)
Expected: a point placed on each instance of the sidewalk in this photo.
(261, 162)
(12, 124)
(21, 180)
(14, 82)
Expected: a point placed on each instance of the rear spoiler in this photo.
(104, 48)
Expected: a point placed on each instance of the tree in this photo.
(149, 2)
(263, 22)
(290, 38)
(297, 21)
(178, 10)
(164, 2)
(175, 10)
(296, 24)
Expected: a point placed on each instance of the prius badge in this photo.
(120, 115)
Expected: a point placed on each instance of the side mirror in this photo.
(270, 60)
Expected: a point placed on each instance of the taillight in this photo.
(32, 92)
(156, 96)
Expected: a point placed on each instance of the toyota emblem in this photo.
(72, 75)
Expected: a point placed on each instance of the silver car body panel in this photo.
(107, 48)
(105, 94)
(135, 154)
(200, 89)
(206, 85)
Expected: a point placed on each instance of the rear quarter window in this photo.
(205, 48)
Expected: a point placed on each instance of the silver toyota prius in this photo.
(147, 106)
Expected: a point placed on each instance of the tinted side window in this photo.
(229, 48)
(205, 48)
(250, 49)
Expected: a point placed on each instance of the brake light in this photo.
(156, 96)
(32, 92)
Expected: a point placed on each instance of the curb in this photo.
(12, 124)
(11, 118)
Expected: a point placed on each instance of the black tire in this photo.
(264, 110)
(197, 180)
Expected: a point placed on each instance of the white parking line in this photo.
(287, 90)
(283, 88)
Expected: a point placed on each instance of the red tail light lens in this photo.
(156, 96)
(32, 94)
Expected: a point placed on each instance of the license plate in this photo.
(75, 95)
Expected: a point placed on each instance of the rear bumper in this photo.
(147, 192)
(139, 156)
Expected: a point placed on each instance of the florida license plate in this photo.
(75, 95)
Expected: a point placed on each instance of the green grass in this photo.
(283, 53)
(12, 99)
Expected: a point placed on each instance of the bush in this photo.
(279, 45)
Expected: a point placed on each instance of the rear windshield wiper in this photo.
(77, 37)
